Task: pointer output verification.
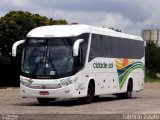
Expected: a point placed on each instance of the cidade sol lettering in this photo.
(102, 65)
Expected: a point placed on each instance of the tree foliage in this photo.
(152, 57)
(14, 26)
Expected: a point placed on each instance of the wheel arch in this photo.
(91, 81)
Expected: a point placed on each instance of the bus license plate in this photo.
(44, 93)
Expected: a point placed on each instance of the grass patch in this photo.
(151, 79)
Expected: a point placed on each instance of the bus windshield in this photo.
(48, 57)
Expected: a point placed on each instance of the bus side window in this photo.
(95, 47)
(79, 59)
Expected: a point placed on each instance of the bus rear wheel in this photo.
(45, 101)
(128, 94)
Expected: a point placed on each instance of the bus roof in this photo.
(75, 30)
(59, 31)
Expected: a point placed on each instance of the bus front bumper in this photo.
(63, 92)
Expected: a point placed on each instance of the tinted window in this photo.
(95, 47)
(84, 44)
(114, 47)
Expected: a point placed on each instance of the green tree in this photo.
(152, 57)
(14, 26)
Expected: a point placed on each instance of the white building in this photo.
(151, 35)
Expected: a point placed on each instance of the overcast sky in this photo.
(131, 16)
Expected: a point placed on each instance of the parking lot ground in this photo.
(143, 102)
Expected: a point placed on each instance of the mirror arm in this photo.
(76, 47)
(14, 47)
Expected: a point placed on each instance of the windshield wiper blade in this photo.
(53, 66)
(36, 67)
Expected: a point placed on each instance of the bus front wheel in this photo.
(90, 94)
(45, 101)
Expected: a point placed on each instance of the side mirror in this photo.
(14, 47)
(76, 46)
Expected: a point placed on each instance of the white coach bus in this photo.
(80, 61)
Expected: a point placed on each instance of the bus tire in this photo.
(45, 101)
(96, 98)
(90, 94)
(128, 93)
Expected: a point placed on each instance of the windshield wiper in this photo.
(37, 66)
(52, 65)
(41, 60)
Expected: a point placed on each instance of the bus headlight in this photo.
(67, 81)
(24, 82)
